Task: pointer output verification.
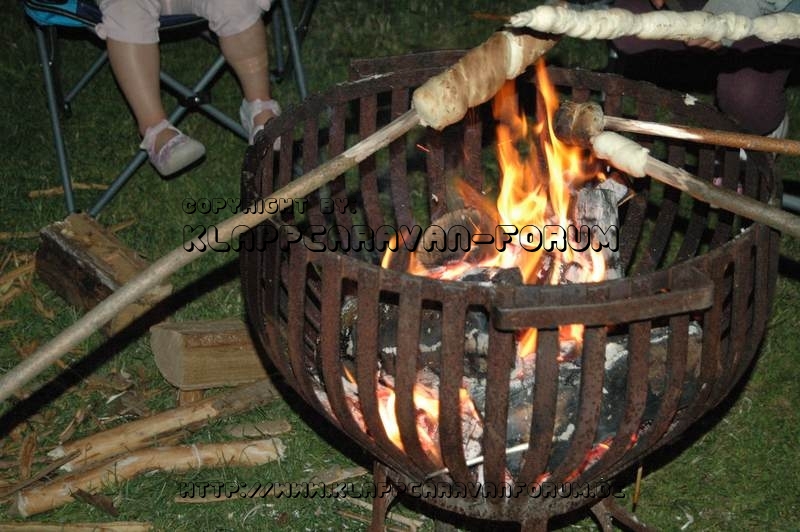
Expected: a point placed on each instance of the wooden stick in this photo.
(180, 257)
(729, 139)
(59, 190)
(637, 491)
(636, 161)
(514, 57)
(606, 24)
(142, 432)
(580, 122)
(116, 526)
(39, 475)
(6, 235)
(182, 458)
(722, 197)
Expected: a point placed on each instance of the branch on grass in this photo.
(175, 459)
(143, 432)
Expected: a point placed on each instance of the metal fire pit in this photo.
(685, 263)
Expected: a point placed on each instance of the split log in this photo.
(197, 355)
(142, 432)
(118, 526)
(85, 263)
(182, 458)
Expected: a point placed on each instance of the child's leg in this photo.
(243, 40)
(136, 68)
(246, 52)
(130, 28)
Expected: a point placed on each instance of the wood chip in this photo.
(76, 420)
(25, 350)
(116, 228)
(26, 452)
(412, 524)
(261, 429)
(42, 309)
(59, 191)
(98, 500)
(9, 296)
(338, 474)
(364, 519)
(120, 526)
(16, 273)
(5, 235)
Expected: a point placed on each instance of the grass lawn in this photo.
(739, 469)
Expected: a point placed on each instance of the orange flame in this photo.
(537, 187)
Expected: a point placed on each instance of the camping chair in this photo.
(48, 16)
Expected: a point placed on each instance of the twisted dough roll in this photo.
(621, 152)
(672, 25)
(476, 78)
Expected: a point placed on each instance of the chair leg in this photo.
(279, 70)
(294, 47)
(187, 94)
(193, 95)
(305, 19)
(99, 63)
(55, 122)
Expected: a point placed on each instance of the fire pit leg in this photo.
(607, 511)
(382, 501)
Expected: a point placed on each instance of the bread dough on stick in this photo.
(672, 25)
(621, 152)
(444, 99)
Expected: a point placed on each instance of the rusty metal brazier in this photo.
(685, 263)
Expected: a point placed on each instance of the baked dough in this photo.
(621, 152)
(444, 99)
(672, 25)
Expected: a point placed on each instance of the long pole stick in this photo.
(729, 139)
(635, 160)
(442, 100)
(179, 257)
(722, 197)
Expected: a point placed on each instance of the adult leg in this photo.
(751, 88)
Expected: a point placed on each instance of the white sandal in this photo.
(176, 154)
(249, 110)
